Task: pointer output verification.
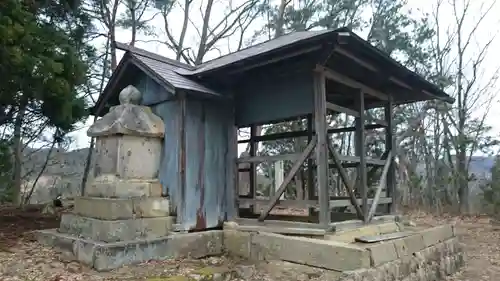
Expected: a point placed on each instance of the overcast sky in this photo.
(490, 27)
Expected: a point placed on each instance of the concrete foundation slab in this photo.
(308, 251)
(404, 258)
(106, 256)
(116, 230)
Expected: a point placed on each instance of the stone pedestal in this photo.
(123, 217)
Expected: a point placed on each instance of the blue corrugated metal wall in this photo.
(208, 193)
(206, 130)
(285, 96)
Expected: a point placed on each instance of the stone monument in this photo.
(123, 208)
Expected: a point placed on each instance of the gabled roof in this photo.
(256, 50)
(183, 76)
(166, 69)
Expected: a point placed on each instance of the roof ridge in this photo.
(251, 46)
(151, 55)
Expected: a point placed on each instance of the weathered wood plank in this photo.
(283, 230)
(383, 237)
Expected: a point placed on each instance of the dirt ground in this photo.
(22, 259)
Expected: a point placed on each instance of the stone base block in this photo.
(117, 230)
(106, 256)
(112, 187)
(348, 235)
(430, 264)
(313, 252)
(122, 208)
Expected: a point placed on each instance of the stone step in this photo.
(115, 230)
(113, 187)
(107, 256)
(121, 208)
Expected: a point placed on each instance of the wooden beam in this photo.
(381, 184)
(294, 156)
(359, 61)
(321, 128)
(333, 75)
(334, 203)
(338, 108)
(371, 67)
(296, 134)
(360, 148)
(295, 168)
(346, 180)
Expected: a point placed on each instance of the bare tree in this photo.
(211, 31)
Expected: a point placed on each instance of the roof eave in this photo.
(437, 93)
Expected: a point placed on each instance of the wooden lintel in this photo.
(295, 156)
(296, 134)
(338, 108)
(333, 75)
(295, 168)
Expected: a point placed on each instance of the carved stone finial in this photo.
(128, 118)
(130, 95)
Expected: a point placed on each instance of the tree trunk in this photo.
(18, 155)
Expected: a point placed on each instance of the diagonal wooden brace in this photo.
(345, 179)
(295, 168)
(381, 183)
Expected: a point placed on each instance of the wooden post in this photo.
(253, 167)
(361, 153)
(321, 148)
(278, 177)
(389, 146)
(311, 187)
(232, 181)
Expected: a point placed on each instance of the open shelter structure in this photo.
(309, 75)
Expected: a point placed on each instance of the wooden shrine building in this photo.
(307, 75)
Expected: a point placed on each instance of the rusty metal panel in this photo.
(169, 166)
(206, 161)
